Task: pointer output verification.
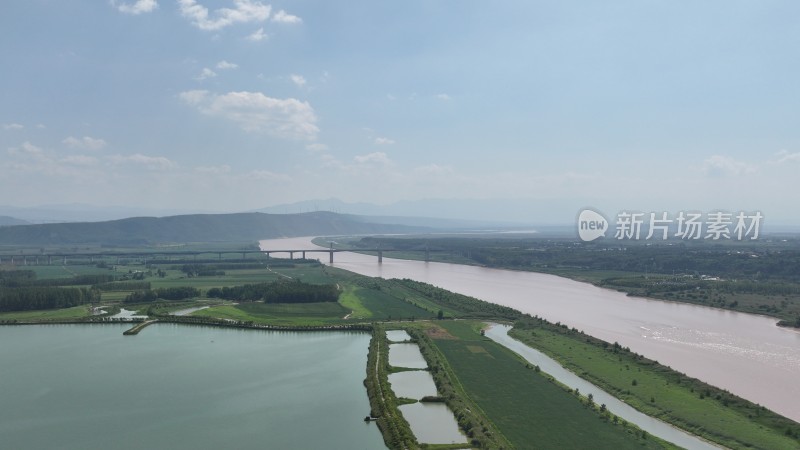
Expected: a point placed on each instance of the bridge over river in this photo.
(41, 258)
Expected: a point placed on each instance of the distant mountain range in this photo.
(195, 228)
(450, 213)
(447, 213)
(81, 212)
(457, 212)
(6, 221)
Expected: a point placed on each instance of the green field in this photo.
(385, 306)
(359, 303)
(351, 301)
(279, 313)
(529, 409)
(63, 272)
(663, 393)
(76, 312)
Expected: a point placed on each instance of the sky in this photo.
(232, 105)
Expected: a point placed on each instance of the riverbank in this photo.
(508, 395)
(743, 353)
(623, 269)
(661, 392)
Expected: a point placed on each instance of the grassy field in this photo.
(529, 409)
(358, 302)
(351, 301)
(278, 270)
(280, 313)
(47, 314)
(660, 392)
(68, 271)
(383, 305)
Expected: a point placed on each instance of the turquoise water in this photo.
(182, 387)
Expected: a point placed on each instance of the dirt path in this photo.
(281, 274)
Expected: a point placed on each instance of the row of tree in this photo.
(171, 293)
(278, 292)
(124, 286)
(27, 278)
(36, 298)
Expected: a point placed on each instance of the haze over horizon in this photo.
(235, 105)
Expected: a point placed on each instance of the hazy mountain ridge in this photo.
(194, 228)
(83, 212)
(458, 212)
(6, 221)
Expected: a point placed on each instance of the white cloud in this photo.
(284, 17)
(205, 74)
(225, 65)
(443, 97)
(135, 8)
(384, 141)
(27, 149)
(30, 159)
(374, 158)
(86, 143)
(433, 169)
(266, 175)
(317, 147)
(258, 35)
(213, 170)
(12, 126)
(80, 160)
(718, 166)
(786, 157)
(244, 11)
(253, 111)
(150, 162)
(193, 97)
(298, 80)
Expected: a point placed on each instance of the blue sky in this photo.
(226, 105)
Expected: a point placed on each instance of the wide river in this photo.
(173, 386)
(743, 353)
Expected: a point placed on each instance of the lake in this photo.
(182, 387)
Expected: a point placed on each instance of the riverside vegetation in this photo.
(760, 277)
(499, 401)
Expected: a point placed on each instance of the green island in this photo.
(497, 398)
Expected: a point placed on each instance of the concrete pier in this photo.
(139, 327)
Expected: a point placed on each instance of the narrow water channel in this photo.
(499, 334)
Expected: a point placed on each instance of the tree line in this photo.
(124, 286)
(741, 260)
(171, 293)
(278, 292)
(27, 278)
(36, 298)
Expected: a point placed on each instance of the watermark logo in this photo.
(662, 225)
(591, 225)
